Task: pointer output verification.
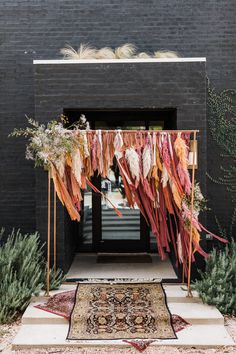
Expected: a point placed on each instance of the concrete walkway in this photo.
(43, 329)
(85, 266)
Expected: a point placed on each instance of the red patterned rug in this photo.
(60, 304)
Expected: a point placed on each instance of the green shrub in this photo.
(218, 282)
(22, 273)
(55, 279)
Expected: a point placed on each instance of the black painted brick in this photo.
(38, 29)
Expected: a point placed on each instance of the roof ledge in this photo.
(118, 61)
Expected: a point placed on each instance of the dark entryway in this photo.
(100, 229)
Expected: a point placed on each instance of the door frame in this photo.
(122, 246)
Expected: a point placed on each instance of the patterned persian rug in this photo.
(120, 311)
(62, 305)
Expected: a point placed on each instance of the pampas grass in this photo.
(143, 55)
(83, 52)
(125, 51)
(165, 54)
(105, 53)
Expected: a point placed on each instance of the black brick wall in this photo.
(37, 29)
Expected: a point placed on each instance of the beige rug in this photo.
(120, 311)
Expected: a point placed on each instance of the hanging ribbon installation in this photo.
(154, 167)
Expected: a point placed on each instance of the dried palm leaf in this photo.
(164, 176)
(85, 144)
(133, 162)
(181, 150)
(158, 160)
(57, 185)
(196, 239)
(64, 195)
(60, 165)
(176, 195)
(179, 248)
(118, 143)
(125, 51)
(77, 165)
(147, 160)
(100, 151)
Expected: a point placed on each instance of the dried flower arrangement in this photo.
(126, 51)
(50, 142)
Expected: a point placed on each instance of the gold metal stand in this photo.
(49, 234)
(55, 232)
(183, 277)
(191, 219)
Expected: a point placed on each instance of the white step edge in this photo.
(38, 336)
(174, 293)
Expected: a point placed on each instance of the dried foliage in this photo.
(125, 51)
(50, 142)
(83, 52)
(165, 54)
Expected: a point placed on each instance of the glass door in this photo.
(100, 228)
(112, 233)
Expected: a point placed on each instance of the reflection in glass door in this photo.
(114, 227)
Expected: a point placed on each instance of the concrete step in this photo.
(40, 336)
(194, 313)
(44, 329)
(191, 309)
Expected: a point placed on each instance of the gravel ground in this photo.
(7, 333)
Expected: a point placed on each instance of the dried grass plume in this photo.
(105, 53)
(84, 52)
(126, 51)
(165, 54)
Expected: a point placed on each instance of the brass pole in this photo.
(49, 234)
(55, 231)
(191, 219)
(183, 278)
